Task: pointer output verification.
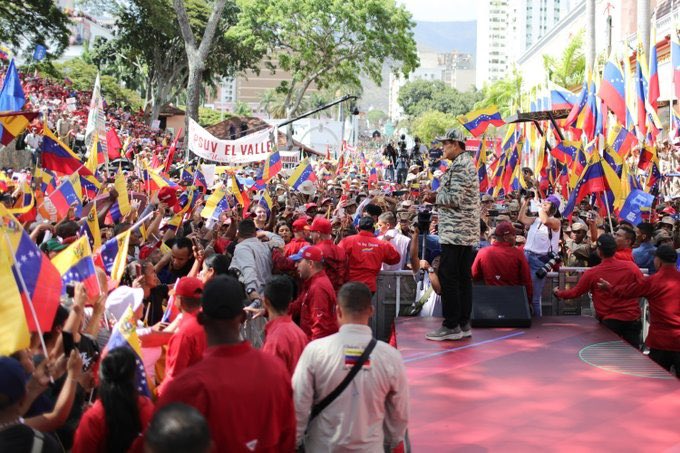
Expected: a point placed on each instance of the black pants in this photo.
(456, 281)
(628, 330)
(666, 359)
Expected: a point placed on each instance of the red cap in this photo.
(309, 206)
(321, 225)
(189, 287)
(300, 225)
(504, 228)
(310, 253)
(168, 195)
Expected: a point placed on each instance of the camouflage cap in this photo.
(452, 135)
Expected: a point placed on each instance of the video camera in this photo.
(547, 267)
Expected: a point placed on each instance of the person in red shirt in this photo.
(620, 315)
(316, 304)
(662, 291)
(300, 228)
(115, 420)
(502, 264)
(188, 343)
(244, 394)
(283, 338)
(625, 239)
(366, 254)
(334, 257)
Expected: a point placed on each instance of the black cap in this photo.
(223, 298)
(607, 244)
(667, 254)
(366, 223)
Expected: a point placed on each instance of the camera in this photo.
(547, 267)
(424, 219)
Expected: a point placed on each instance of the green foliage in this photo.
(83, 76)
(208, 117)
(421, 96)
(25, 23)
(242, 109)
(330, 42)
(376, 117)
(567, 70)
(506, 94)
(433, 123)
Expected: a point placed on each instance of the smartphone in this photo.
(70, 290)
(534, 206)
(67, 338)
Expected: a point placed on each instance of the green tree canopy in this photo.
(433, 123)
(506, 94)
(567, 70)
(25, 23)
(421, 96)
(376, 117)
(331, 42)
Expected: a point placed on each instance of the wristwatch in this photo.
(430, 270)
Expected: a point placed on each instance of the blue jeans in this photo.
(535, 264)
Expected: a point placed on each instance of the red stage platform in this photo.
(565, 384)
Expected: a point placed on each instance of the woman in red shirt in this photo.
(120, 414)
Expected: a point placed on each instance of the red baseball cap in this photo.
(301, 224)
(168, 195)
(321, 225)
(310, 253)
(309, 206)
(504, 228)
(189, 287)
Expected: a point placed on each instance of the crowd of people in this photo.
(298, 278)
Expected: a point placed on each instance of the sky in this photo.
(441, 10)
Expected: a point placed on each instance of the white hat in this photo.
(121, 298)
(307, 188)
(411, 177)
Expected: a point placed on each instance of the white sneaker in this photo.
(444, 333)
(467, 331)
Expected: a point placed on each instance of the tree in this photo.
(567, 70)
(376, 117)
(323, 42)
(26, 23)
(433, 123)
(420, 96)
(506, 94)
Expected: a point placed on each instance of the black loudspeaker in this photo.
(500, 306)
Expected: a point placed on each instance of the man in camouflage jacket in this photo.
(459, 213)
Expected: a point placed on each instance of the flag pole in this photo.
(609, 214)
(28, 298)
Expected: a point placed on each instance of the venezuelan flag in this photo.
(565, 150)
(240, 193)
(480, 163)
(121, 207)
(302, 173)
(641, 88)
(653, 87)
(26, 201)
(647, 155)
(90, 228)
(75, 264)
(266, 202)
(592, 181)
(621, 140)
(124, 335)
(216, 204)
(477, 121)
(561, 98)
(14, 334)
(114, 254)
(578, 105)
(675, 57)
(68, 194)
(13, 124)
(272, 166)
(612, 90)
(57, 156)
(654, 176)
(36, 278)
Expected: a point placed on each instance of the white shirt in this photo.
(538, 239)
(401, 243)
(374, 407)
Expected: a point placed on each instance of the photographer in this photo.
(424, 251)
(543, 242)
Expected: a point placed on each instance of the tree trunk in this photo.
(590, 35)
(643, 18)
(193, 90)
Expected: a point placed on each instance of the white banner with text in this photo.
(251, 148)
